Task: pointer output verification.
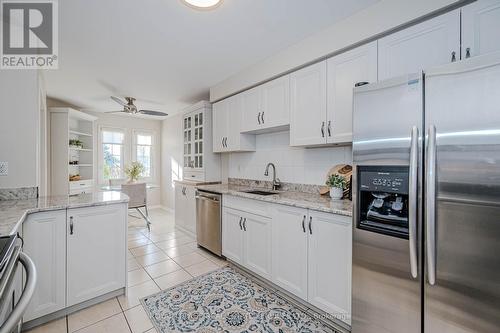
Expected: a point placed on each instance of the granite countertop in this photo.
(190, 182)
(14, 212)
(297, 199)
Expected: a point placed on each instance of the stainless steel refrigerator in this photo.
(426, 194)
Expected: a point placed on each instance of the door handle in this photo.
(413, 199)
(453, 56)
(310, 225)
(245, 224)
(430, 212)
(329, 128)
(258, 118)
(304, 224)
(262, 117)
(222, 142)
(323, 129)
(241, 219)
(71, 225)
(467, 52)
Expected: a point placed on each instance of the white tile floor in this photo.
(157, 260)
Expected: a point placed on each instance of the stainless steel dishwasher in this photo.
(209, 221)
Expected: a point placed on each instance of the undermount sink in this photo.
(261, 192)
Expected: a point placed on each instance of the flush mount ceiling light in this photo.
(202, 4)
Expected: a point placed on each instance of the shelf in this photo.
(80, 165)
(80, 149)
(79, 133)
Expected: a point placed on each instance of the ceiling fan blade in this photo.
(113, 111)
(119, 101)
(153, 113)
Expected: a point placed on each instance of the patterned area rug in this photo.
(226, 301)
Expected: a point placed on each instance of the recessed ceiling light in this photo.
(202, 4)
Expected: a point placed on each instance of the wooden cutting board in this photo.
(344, 170)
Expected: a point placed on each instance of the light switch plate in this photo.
(4, 168)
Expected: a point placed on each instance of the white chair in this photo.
(137, 199)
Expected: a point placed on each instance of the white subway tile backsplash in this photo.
(293, 165)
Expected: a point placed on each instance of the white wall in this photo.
(20, 127)
(293, 165)
(172, 156)
(367, 24)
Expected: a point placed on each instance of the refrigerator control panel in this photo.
(383, 200)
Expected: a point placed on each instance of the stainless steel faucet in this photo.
(276, 181)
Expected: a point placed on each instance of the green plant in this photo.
(134, 171)
(75, 143)
(336, 181)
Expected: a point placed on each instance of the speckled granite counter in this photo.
(189, 182)
(296, 199)
(14, 212)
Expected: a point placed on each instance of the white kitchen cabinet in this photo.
(430, 43)
(257, 244)
(96, 251)
(267, 106)
(289, 249)
(329, 263)
(185, 207)
(344, 71)
(45, 243)
(232, 235)
(227, 136)
(480, 28)
(308, 91)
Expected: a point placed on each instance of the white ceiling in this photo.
(169, 55)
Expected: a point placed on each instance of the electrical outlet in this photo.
(4, 168)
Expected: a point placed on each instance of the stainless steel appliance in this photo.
(426, 193)
(208, 221)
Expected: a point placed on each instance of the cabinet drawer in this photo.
(194, 175)
(80, 184)
(247, 205)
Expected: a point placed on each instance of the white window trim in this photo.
(100, 151)
(152, 133)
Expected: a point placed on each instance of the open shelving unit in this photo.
(72, 165)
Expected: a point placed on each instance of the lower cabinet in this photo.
(79, 254)
(45, 243)
(246, 240)
(96, 252)
(305, 252)
(185, 207)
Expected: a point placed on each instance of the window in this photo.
(112, 150)
(143, 152)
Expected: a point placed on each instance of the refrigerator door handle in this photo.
(412, 208)
(430, 212)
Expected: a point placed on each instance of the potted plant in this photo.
(337, 185)
(134, 171)
(74, 143)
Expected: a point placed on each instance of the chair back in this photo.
(137, 194)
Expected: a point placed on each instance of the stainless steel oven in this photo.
(209, 221)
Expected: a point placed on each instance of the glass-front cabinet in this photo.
(193, 140)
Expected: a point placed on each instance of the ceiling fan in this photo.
(129, 107)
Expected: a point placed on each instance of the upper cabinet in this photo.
(199, 163)
(308, 105)
(480, 28)
(227, 121)
(433, 42)
(267, 106)
(344, 72)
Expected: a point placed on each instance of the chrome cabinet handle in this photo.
(310, 225)
(262, 117)
(323, 129)
(222, 142)
(304, 224)
(413, 199)
(430, 213)
(245, 224)
(71, 225)
(225, 141)
(258, 118)
(241, 219)
(453, 56)
(329, 128)
(467, 52)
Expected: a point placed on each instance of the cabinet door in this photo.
(190, 209)
(344, 71)
(232, 235)
(97, 251)
(179, 210)
(289, 249)
(480, 28)
(45, 242)
(233, 133)
(252, 109)
(187, 139)
(257, 244)
(431, 43)
(276, 103)
(308, 105)
(329, 255)
(219, 117)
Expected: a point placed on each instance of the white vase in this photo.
(336, 193)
